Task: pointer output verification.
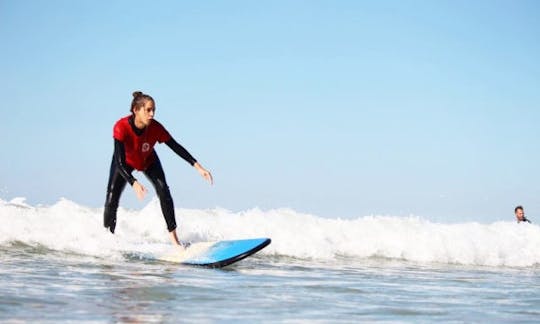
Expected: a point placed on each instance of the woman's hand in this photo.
(140, 190)
(204, 173)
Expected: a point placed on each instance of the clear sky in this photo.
(336, 108)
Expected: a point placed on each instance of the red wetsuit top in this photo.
(139, 149)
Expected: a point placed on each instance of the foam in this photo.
(68, 226)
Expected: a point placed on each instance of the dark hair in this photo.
(139, 99)
(518, 208)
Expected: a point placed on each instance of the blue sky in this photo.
(336, 108)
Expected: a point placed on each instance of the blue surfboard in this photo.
(217, 254)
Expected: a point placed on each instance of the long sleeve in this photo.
(181, 151)
(120, 159)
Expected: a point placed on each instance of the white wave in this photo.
(67, 226)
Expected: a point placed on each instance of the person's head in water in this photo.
(520, 214)
(142, 108)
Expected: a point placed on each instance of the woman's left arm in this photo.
(184, 154)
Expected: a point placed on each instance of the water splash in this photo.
(68, 226)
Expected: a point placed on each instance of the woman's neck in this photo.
(139, 124)
(138, 129)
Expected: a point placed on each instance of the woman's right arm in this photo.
(120, 159)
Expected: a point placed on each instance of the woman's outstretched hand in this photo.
(140, 190)
(204, 173)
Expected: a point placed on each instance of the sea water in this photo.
(58, 264)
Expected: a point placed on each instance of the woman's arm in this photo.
(120, 159)
(183, 153)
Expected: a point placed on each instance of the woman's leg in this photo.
(114, 190)
(156, 175)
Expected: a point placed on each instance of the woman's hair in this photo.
(139, 99)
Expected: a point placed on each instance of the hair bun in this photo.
(137, 94)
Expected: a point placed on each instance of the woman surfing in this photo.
(134, 139)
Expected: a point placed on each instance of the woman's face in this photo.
(145, 114)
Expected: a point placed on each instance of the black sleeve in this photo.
(120, 159)
(181, 151)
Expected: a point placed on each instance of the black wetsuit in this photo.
(120, 174)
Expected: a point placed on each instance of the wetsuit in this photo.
(525, 220)
(134, 150)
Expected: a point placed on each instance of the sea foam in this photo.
(68, 226)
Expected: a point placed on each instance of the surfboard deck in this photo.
(217, 254)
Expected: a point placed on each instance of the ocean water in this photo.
(58, 264)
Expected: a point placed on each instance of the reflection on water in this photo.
(37, 284)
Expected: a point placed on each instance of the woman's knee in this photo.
(162, 189)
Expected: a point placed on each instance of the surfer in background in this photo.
(134, 139)
(520, 214)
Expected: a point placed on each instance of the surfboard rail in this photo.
(218, 254)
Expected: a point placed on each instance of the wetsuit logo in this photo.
(145, 147)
